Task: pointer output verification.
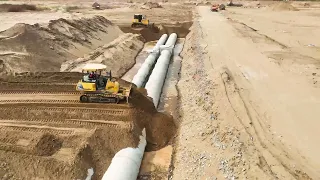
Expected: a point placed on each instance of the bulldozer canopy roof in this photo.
(94, 67)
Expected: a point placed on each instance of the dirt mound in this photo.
(182, 29)
(150, 5)
(283, 6)
(44, 47)
(48, 145)
(17, 7)
(160, 128)
(119, 55)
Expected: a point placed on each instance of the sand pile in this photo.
(119, 55)
(17, 7)
(150, 5)
(282, 6)
(44, 47)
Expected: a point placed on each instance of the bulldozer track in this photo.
(86, 123)
(69, 109)
(38, 92)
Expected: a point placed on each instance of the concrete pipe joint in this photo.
(158, 75)
(140, 78)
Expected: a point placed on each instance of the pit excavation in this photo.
(151, 91)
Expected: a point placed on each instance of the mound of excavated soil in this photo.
(48, 145)
(17, 7)
(160, 128)
(150, 5)
(119, 55)
(45, 47)
(282, 6)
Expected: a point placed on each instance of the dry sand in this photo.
(118, 55)
(44, 47)
(244, 114)
(248, 95)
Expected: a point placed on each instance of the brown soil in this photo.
(150, 5)
(68, 139)
(17, 7)
(283, 6)
(119, 55)
(182, 29)
(45, 47)
(48, 145)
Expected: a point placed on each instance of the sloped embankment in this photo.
(119, 55)
(44, 47)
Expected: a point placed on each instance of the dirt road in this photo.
(254, 119)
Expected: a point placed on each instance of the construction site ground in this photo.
(241, 99)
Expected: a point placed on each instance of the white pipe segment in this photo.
(158, 75)
(126, 163)
(146, 67)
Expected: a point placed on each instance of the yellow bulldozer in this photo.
(141, 21)
(98, 86)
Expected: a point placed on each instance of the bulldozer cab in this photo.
(92, 72)
(97, 78)
(139, 17)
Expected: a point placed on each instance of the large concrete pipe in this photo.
(126, 163)
(140, 78)
(159, 72)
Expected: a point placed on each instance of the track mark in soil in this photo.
(80, 122)
(42, 101)
(37, 92)
(40, 129)
(247, 31)
(251, 126)
(119, 112)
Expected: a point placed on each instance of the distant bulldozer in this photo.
(96, 5)
(216, 7)
(141, 21)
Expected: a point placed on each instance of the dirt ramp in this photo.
(119, 55)
(44, 47)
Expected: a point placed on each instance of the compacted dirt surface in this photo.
(249, 96)
(241, 98)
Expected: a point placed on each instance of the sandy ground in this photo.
(245, 115)
(246, 98)
(120, 13)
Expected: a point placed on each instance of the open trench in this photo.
(155, 164)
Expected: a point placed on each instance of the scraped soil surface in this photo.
(51, 130)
